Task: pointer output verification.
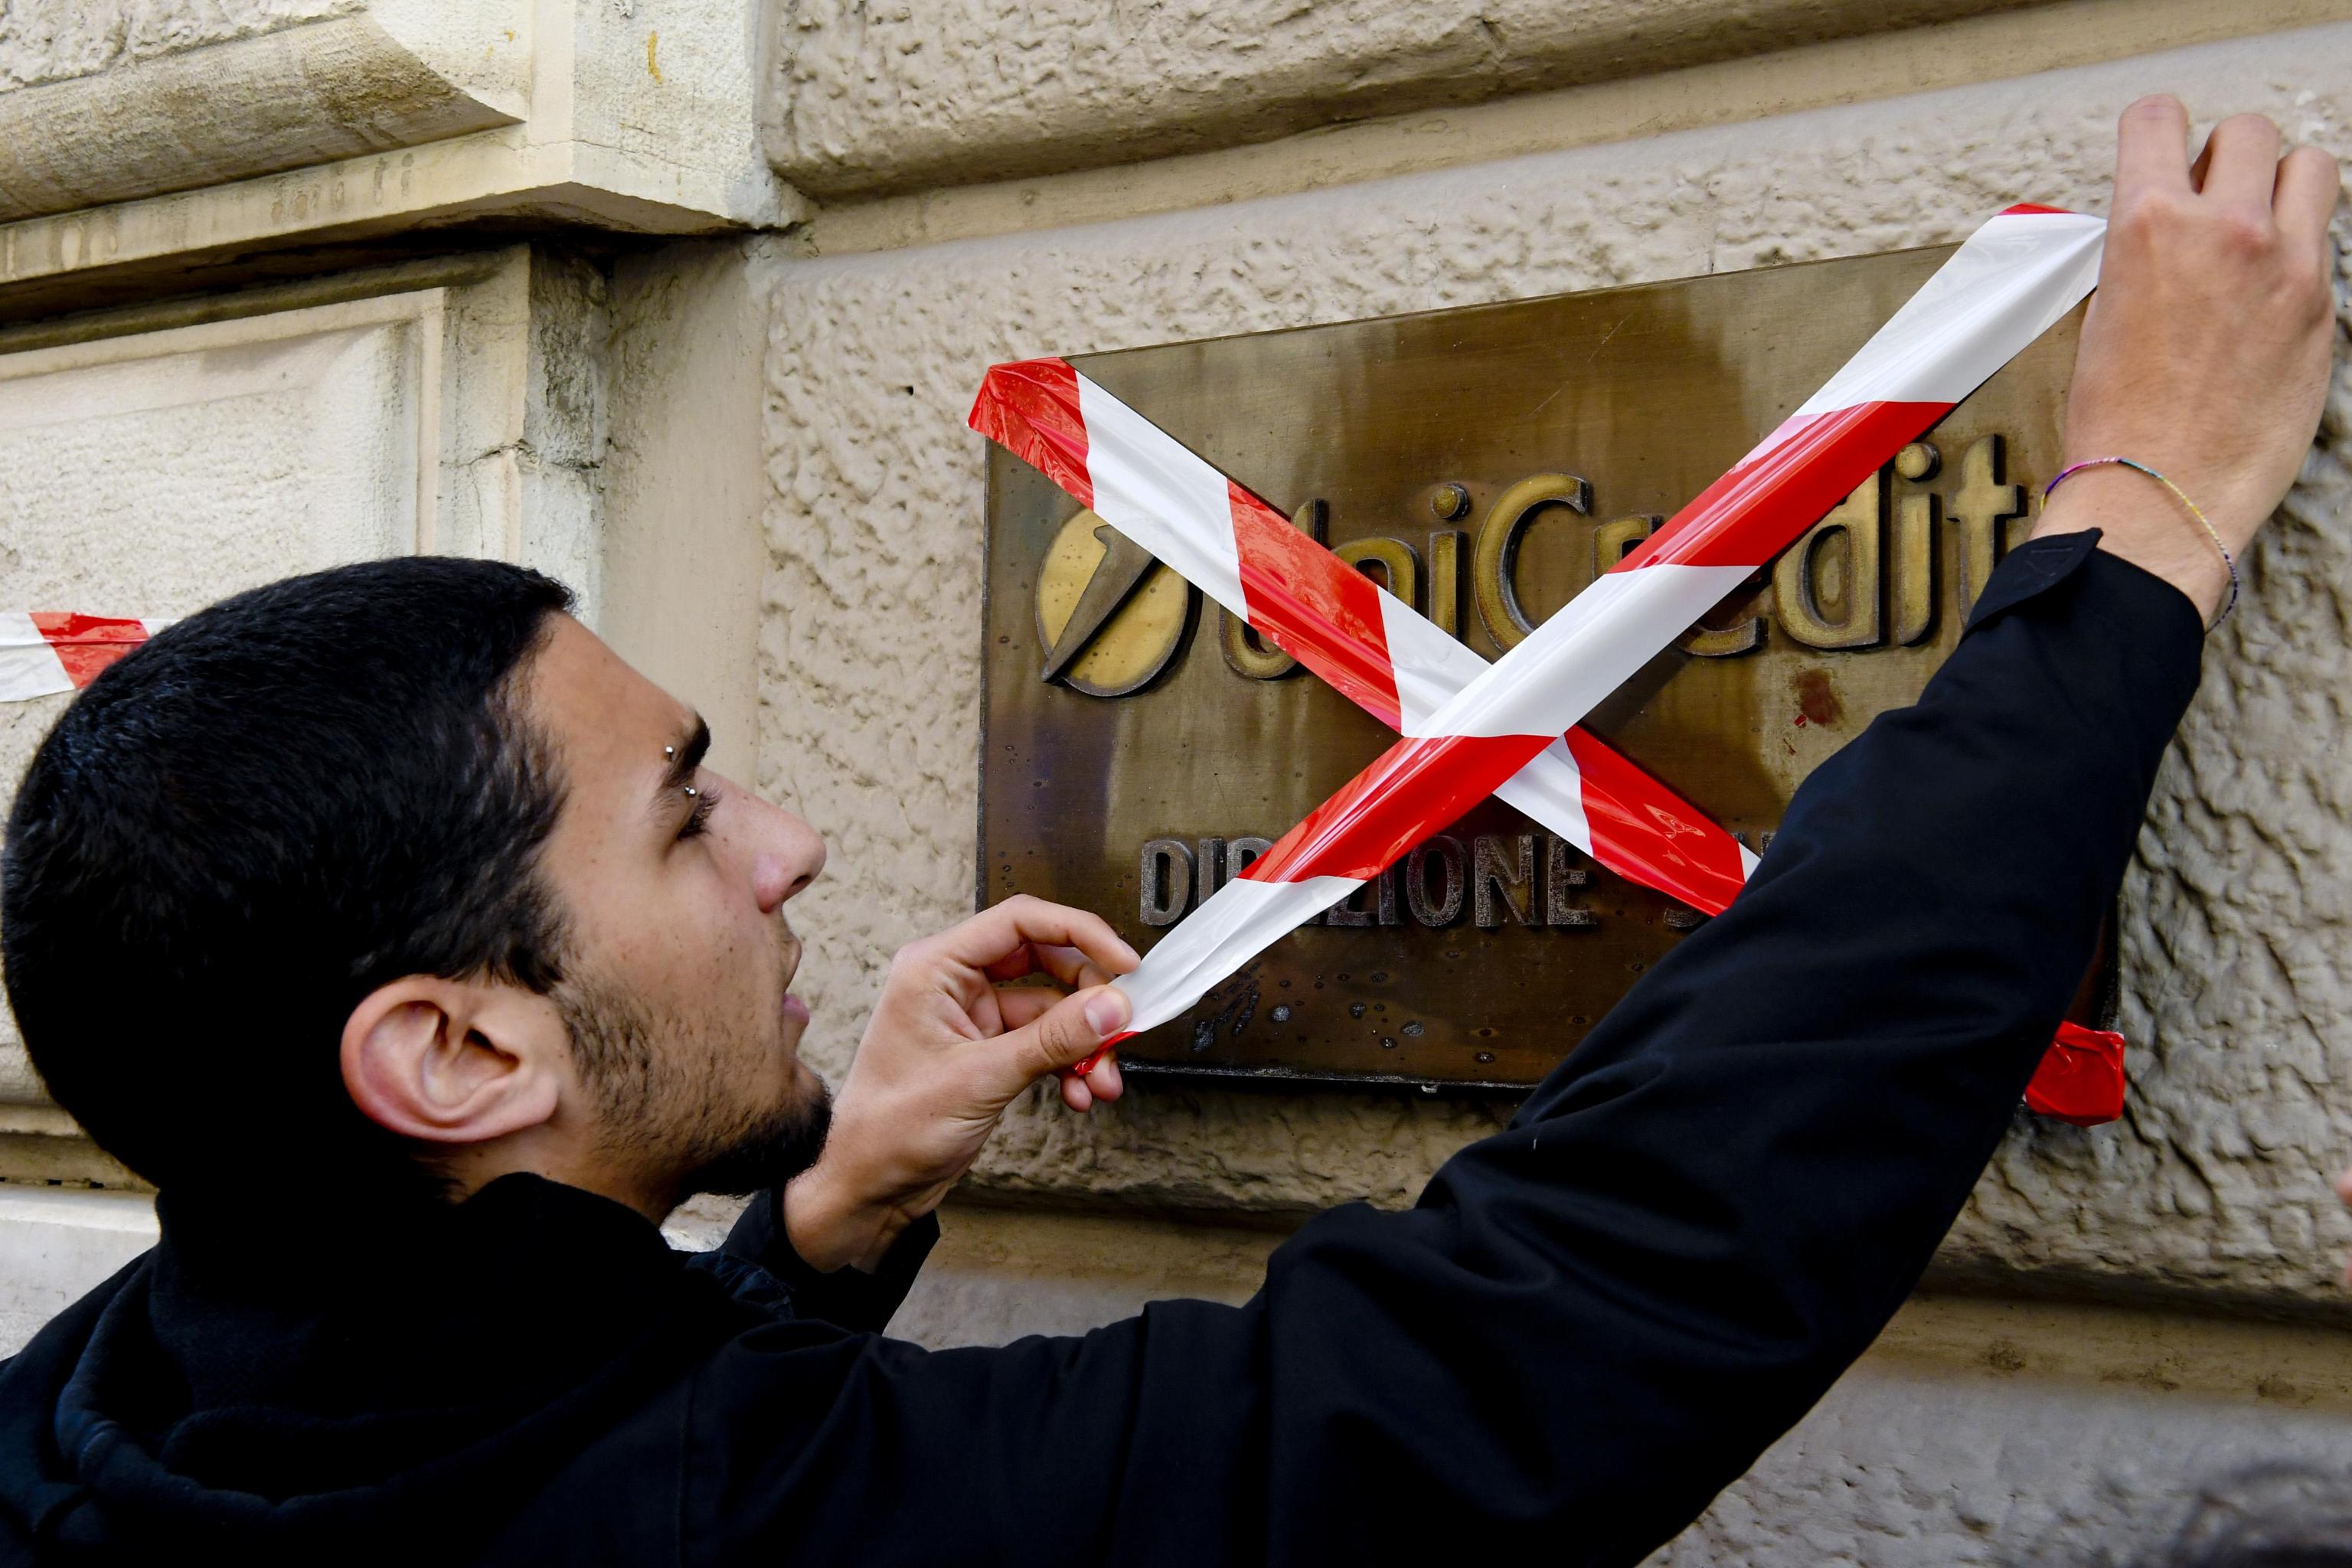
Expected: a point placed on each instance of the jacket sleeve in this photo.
(1595, 1319)
(847, 1298)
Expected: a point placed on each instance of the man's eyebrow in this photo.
(685, 757)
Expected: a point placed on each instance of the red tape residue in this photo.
(2081, 1077)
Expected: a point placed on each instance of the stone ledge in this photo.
(46, 41)
(363, 138)
(360, 212)
(331, 90)
(40, 1143)
(866, 99)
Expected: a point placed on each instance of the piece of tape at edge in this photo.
(2080, 1079)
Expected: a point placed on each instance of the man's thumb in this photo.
(1074, 1030)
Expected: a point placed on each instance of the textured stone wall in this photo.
(867, 96)
(56, 40)
(1979, 1468)
(2217, 1182)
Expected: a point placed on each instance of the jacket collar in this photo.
(358, 1378)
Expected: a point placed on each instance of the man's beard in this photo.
(770, 1152)
(666, 1110)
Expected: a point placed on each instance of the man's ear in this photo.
(454, 1061)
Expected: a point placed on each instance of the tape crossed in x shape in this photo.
(1471, 729)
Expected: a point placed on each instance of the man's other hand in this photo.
(2207, 349)
(952, 1043)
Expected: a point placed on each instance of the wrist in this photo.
(2140, 521)
(830, 1228)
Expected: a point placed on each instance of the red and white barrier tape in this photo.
(2014, 278)
(1372, 647)
(44, 652)
(1639, 827)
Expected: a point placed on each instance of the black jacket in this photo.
(1587, 1326)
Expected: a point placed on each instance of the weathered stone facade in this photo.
(873, 524)
(435, 226)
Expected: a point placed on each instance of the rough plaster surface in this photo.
(869, 649)
(869, 97)
(1951, 53)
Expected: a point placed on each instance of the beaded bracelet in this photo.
(2179, 495)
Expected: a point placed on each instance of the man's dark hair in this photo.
(245, 826)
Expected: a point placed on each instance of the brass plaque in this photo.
(1139, 745)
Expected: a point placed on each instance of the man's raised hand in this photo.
(953, 1042)
(2206, 352)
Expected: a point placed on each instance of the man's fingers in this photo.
(1103, 1079)
(2242, 161)
(2309, 184)
(1071, 967)
(1022, 1005)
(1067, 965)
(2151, 149)
(1022, 961)
(1064, 963)
(986, 1010)
(1098, 1085)
(1064, 1035)
(995, 934)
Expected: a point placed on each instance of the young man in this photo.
(396, 880)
